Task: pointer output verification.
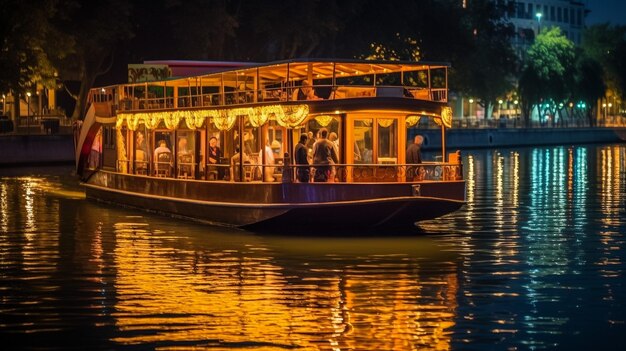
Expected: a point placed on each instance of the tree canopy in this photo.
(24, 32)
(606, 44)
(548, 73)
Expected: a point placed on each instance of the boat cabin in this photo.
(242, 124)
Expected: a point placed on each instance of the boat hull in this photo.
(282, 205)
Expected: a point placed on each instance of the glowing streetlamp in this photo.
(539, 15)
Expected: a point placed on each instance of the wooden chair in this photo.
(185, 166)
(163, 164)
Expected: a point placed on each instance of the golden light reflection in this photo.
(4, 208)
(28, 194)
(169, 291)
(499, 188)
(470, 186)
(611, 189)
(610, 185)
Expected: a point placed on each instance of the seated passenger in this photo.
(182, 147)
(162, 159)
(215, 153)
(161, 149)
(306, 92)
(234, 165)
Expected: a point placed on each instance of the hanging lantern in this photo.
(446, 116)
(324, 120)
(294, 115)
(258, 117)
(412, 120)
(222, 119)
(385, 122)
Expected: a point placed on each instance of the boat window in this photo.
(331, 123)
(416, 79)
(389, 79)
(387, 140)
(141, 160)
(162, 154)
(273, 83)
(185, 154)
(363, 140)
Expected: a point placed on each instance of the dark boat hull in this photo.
(278, 205)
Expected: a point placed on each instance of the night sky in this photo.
(612, 11)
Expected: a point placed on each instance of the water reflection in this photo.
(237, 289)
(535, 260)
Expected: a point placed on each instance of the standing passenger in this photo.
(332, 137)
(323, 156)
(414, 156)
(215, 154)
(302, 160)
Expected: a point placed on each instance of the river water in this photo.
(535, 260)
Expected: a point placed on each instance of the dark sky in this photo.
(612, 11)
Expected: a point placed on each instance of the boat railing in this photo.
(337, 173)
(284, 94)
(346, 173)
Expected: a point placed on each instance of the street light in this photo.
(539, 15)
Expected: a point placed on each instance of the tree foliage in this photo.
(93, 29)
(24, 31)
(589, 85)
(487, 70)
(548, 74)
(606, 44)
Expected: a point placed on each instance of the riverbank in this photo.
(59, 149)
(503, 137)
(36, 149)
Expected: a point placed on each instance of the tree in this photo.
(606, 44)
(94, 29)
(24, 30)
(547, 75)
(487, 71)
(589, 86)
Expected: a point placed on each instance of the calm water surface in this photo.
(535, 260)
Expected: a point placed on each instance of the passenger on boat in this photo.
(332, 137)
(306, 92)
(302, 161)
(414, 156)
(323, 156)
(215, 154)
(234, 165)
(182, 147)
(96, 150)
(268, 160)
(162, 159)
(186, 167)
(161, 149)
(141, 154)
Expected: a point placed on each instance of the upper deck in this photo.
(279, 82)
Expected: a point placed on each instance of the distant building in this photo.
(529, 17)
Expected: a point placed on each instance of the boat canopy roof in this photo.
(301, 69)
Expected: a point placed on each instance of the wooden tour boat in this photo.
(150, 145)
